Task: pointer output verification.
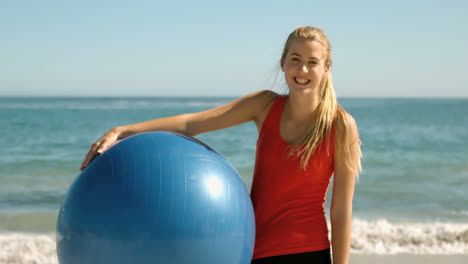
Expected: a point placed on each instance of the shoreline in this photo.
(21, 248)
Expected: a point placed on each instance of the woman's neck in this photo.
(301, 108)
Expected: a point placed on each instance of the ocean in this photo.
(412, 196)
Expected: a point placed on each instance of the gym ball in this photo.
(157, 197)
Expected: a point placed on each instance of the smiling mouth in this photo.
(301, 81)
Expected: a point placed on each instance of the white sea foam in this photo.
(379, 237)
(27, 249)
(384, 237)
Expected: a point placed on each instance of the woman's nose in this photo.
(303, 68)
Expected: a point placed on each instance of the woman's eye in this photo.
(313, 62)
(295, 59)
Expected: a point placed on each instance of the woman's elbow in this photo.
(341, 213)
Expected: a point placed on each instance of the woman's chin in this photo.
(300, 89)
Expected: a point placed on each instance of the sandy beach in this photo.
(408, 259)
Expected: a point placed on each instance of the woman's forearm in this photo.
(341, 236)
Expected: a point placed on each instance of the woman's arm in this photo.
(242, 110)
(343, 190)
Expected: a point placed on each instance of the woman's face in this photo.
(304, 65)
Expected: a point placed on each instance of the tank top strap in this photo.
(331, 138)
(273, 117)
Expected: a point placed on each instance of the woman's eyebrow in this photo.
(297, 54)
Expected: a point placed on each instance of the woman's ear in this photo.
(327, 69)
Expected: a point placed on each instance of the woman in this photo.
(304, 138)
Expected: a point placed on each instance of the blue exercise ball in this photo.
(157, 197)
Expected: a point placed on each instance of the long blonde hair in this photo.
(328, 110)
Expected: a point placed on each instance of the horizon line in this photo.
(219, 96)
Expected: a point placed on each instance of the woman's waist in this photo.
(279, 208)
(290, 233)
(291, 218)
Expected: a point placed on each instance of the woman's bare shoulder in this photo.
(345, 123)
(264, 99)
(265, 95)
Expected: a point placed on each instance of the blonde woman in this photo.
(305, 137)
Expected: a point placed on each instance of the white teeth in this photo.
(301, 81)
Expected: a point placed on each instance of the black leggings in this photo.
(314, 257)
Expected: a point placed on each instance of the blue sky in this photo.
(228, 48)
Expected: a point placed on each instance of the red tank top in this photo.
(289, 202)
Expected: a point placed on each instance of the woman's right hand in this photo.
(101, 145)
